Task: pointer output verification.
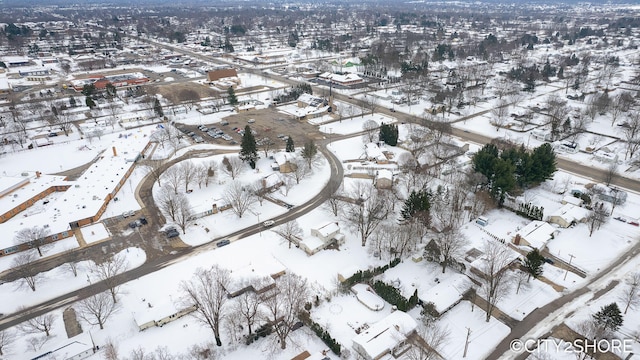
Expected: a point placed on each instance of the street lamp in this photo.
(259, 224)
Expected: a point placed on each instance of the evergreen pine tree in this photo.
(248, 148)
(289, 147)
(533, 263)
(157, 108)
(609, 317)
(72, 102)
(232, 99)
(89, 102)
(417, 207)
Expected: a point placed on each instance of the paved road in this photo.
(546, 314)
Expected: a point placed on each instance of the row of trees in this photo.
(208, 292)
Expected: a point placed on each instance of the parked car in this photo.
(224, 242)
(549, 261)
(171, 232)
(129, 213)
(198, 139)
(268, 223)
(143, 220)
(251, 121)
(135, 224)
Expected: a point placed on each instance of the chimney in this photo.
(38, 174)
(114, 151)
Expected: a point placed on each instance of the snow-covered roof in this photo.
(312, 243)
(328, 229)
(282, 157)
(148, 310)
(569, 199)
(374, 152)
(4, 82)
(447, 293)
(537, 233)
(384, 335)
(571, 212)
(385, 174)
(368, 297)
(256, 271)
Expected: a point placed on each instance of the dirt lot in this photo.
(177, 92)
(268, 123)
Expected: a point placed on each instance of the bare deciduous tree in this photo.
(232, 166)
(97, 309)
(207, 291)
(107, 271)
(366, 212)
(451, 243)
(521, 280)
(183, 214)
(299, 169)
(7, 338)
(631, 295)
(173, 178)
(42, 323)
(22, 265)
(500, 114)
(370, 129)
(247, 305)
(631, 132)
(34, 237)
(168, 202)
(283, 307)
(188, 172)
(333, 192)
(241, 200)
(432, 339)
(155, 167)
(290, 231)
(495, 282)
(110, 350)
(597, 217)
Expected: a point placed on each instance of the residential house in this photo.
(321, 237)
(478, 260)
(383, 179)
(283, 159)
(386, 337)
(535, 235)
(375, 153)
(569, 214)
(447, 294)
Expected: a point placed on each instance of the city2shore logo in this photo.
(575, 346)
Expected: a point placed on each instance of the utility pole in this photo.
(567, 271)
(466, 343)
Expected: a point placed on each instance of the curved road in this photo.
(155, 264)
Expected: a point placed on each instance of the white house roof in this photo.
(537, 233)
(447, 293)
(4, 82)
(282, 157)
(385, 174)
(374, 152)
(312, 243)
(328, 229)
(572, 200)
(385, 334)
(570, 213)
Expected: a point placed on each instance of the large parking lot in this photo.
(267, 123)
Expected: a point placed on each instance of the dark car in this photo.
(143, 220)
(549, 261)
(135, 224)
(224, 242)
(173, 233)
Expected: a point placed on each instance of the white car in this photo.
(268, 223)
